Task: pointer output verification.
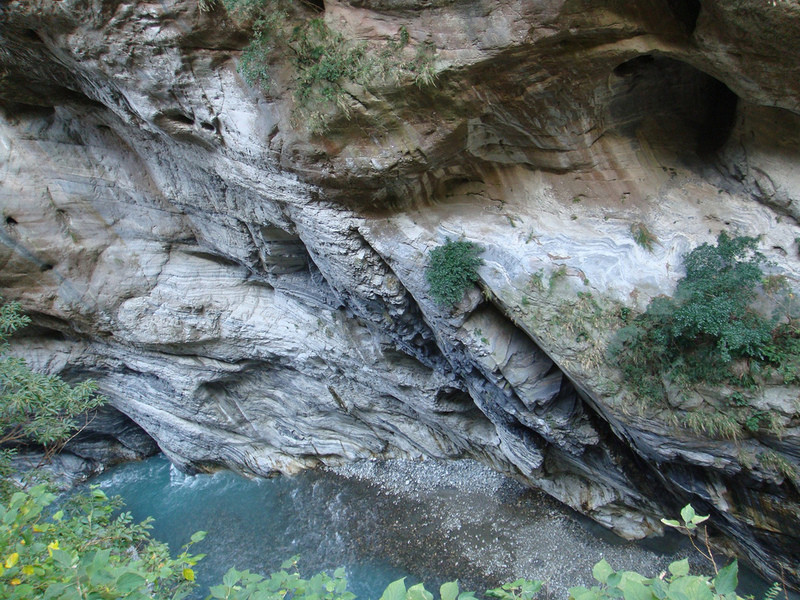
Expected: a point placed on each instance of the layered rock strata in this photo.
(253, 295)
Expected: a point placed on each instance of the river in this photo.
(428, 521)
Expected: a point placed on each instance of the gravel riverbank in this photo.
(460, 519)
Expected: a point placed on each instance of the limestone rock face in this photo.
(253, 295)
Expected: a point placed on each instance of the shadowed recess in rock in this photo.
(672, 105)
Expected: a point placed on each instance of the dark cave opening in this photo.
(11, 221)
(671, 105)
(634, 65)
(179, 117)
(686, 11)
(31, 35)
(720, 118)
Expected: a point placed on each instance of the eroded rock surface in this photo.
(253, 295)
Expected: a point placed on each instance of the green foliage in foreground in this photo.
(324, 61)
(679, 584)
(709, 332)
(83, 552)
(34, 408)
(452, 269)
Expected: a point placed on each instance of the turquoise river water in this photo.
(257, 524)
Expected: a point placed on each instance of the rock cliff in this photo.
(252, 293)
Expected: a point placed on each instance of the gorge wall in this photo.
(252, 294)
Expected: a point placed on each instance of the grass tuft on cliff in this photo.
(324, 62)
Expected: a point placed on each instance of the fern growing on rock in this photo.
(452, 268)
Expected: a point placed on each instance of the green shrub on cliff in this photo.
(34, 408)
(709, 331)
(452, 269)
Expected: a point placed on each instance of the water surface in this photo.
(257, 524)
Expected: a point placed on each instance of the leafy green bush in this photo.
(283, 584)
(243, 585)
(83, 552)
(677, 585)
(452, 269)
(34, 408)
(709, 330)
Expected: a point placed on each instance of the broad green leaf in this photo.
(699, 589)
(198, 536)
(582, 593)
(101, 558)
(614, 579)
(602, 570)
(727, 579)
(687, 513)
(55, 590)
(395, 590)
(61, 558)
(679, 568)
(418, 592)
(188, 574)
(530, 589)
(449, 590)
(231, 578)
(634, 576)
(690, 588)
(129, 581)
(659, 588)
(24, 591)
(218, 591)
(634, 590)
